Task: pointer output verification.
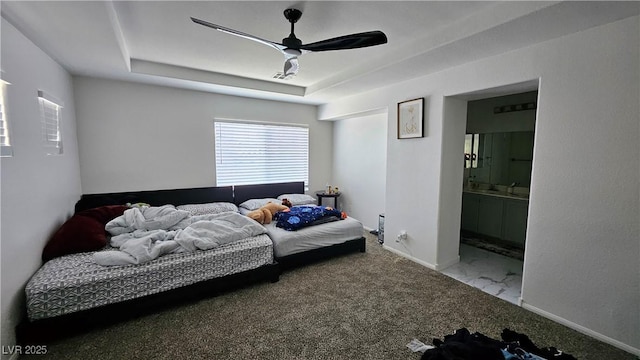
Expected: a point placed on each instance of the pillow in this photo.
(253, 204)
(210, 208)
(104, 214)
(83, 232)
(299, 199)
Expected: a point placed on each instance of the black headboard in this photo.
(158, 197)
(243, 193)
(232, 194)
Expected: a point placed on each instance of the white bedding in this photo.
(144, 234)
(313, 237)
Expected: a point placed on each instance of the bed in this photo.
(72, 293)
(311, 244)
(73, 289)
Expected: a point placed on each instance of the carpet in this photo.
(359, 306)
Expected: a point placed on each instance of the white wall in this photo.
(359, 166)
(144, 137)
(581, 259)
(38, 191)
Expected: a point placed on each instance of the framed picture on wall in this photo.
(410, 119)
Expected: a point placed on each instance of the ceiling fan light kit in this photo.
(292, 47)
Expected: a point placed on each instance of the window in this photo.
(50, 115)
(259, 153)
(471, 151)
(5, 141)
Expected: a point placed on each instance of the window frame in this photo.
(275, 137)
(48, 122)
(6, 149)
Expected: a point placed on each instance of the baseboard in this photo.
(580, 328)
(437, 267)
(397, 252)
(522, 303)
(443, 266)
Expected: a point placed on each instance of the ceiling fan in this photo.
(292, 47)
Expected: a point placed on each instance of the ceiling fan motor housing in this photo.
(293, 15)
(292, 42)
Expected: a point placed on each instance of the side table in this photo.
(322, 194)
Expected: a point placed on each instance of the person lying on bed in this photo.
(298, 217)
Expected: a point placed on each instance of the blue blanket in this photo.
(301, 216)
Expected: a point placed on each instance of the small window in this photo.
(5, 142)
(260, 153)
(471, 142)
(50, 109)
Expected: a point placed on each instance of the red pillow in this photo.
(83, 232)
(104, 214)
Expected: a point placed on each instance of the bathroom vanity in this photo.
(496, 213)
(498, 160)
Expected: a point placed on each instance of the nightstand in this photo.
(322, 194)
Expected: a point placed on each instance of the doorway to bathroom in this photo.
(498, 160)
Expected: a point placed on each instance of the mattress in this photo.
(74, 282)
(313, 237)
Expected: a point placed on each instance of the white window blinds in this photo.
(50, 117)
(5, 141)
(259, 153)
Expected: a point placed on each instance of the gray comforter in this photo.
(142, 234)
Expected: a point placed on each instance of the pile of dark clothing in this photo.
(463, 345)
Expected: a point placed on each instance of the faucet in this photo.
(471, 182)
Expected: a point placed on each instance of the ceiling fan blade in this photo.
(353, 41)
(272, 44)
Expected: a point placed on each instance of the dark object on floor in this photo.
(516, 340)
(495, 246)
(462, 345)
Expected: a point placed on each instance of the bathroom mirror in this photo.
(500, 158)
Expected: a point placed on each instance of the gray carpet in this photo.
(360, 306)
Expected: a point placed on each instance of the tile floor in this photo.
(494, 274)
